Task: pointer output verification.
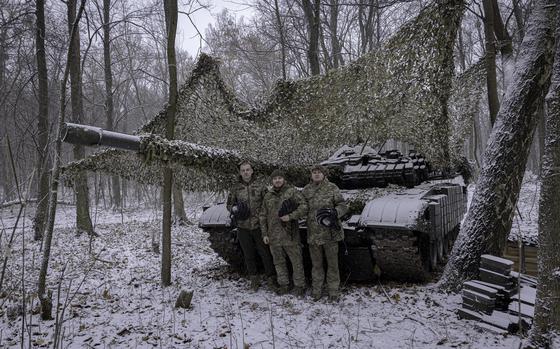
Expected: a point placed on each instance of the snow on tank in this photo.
(396, 211)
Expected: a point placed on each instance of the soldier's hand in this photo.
(266, 240)
(234, 209)
(285, 218)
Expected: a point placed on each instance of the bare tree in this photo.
(312, 12)
(280, 24)
(488, 220)
(490, 56)
(42, 123)
(171, 13)
(44, 296)
(109, 104)
(83, 220)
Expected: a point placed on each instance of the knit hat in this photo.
(321, 168)
(278, 173)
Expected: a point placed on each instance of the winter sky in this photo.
(187, 37)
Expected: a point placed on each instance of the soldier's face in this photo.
(317, 176)
(277, 182)
(246, 172)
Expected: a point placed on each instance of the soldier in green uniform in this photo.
(244, 202)
(282, 206)
(324, 231)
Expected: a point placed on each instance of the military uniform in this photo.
(248, 230)
(284, 238)
(321, 239)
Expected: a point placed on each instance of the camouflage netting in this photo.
(464, 105)
(399, 92)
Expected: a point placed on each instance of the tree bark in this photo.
(42, 124)
(171, 25)
(489, 217)
(83, 219)
(547, 308)
(312, 16)
(109, 104)
(490, 57)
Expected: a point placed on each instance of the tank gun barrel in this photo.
(91, 135)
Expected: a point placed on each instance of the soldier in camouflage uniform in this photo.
(281, 231)
(248, 194)
(323, 196)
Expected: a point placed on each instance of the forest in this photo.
(113, 247)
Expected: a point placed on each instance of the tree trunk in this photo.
(83, 220)
(179, 205)
(490, 57)
(335, 44)
(5, 178)
(518, 20)
(312, 16)
(488, 220)
(365, 22)
(504, 44)
(42, 124)
(45, 297)
(171, 25)
(109, 105)
(547, 308)
(280, 25)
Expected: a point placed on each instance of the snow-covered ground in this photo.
(110, 297)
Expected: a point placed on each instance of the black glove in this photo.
(287, 207)
(241, 211)
(327, 217)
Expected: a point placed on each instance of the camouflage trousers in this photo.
(252, 245)
(279, 254)
(330, 252)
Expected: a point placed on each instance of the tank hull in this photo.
(403, 236)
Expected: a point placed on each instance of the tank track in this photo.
(399, 256)
(225, 244)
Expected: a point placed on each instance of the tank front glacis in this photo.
(397, 227)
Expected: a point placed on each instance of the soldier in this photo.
(282, 206)
(244, 202)
(324, 231)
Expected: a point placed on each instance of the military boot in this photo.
(282, 289)
(316, 295)
(255, 282)
(271, 281)
(334, 297)
(298, 291)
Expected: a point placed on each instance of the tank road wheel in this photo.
(225, 243)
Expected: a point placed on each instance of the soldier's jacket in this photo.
(252, 194)
(323, 195)
(279, 233)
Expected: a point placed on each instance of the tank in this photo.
(403, 218)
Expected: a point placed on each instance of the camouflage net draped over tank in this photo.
(399, 92)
